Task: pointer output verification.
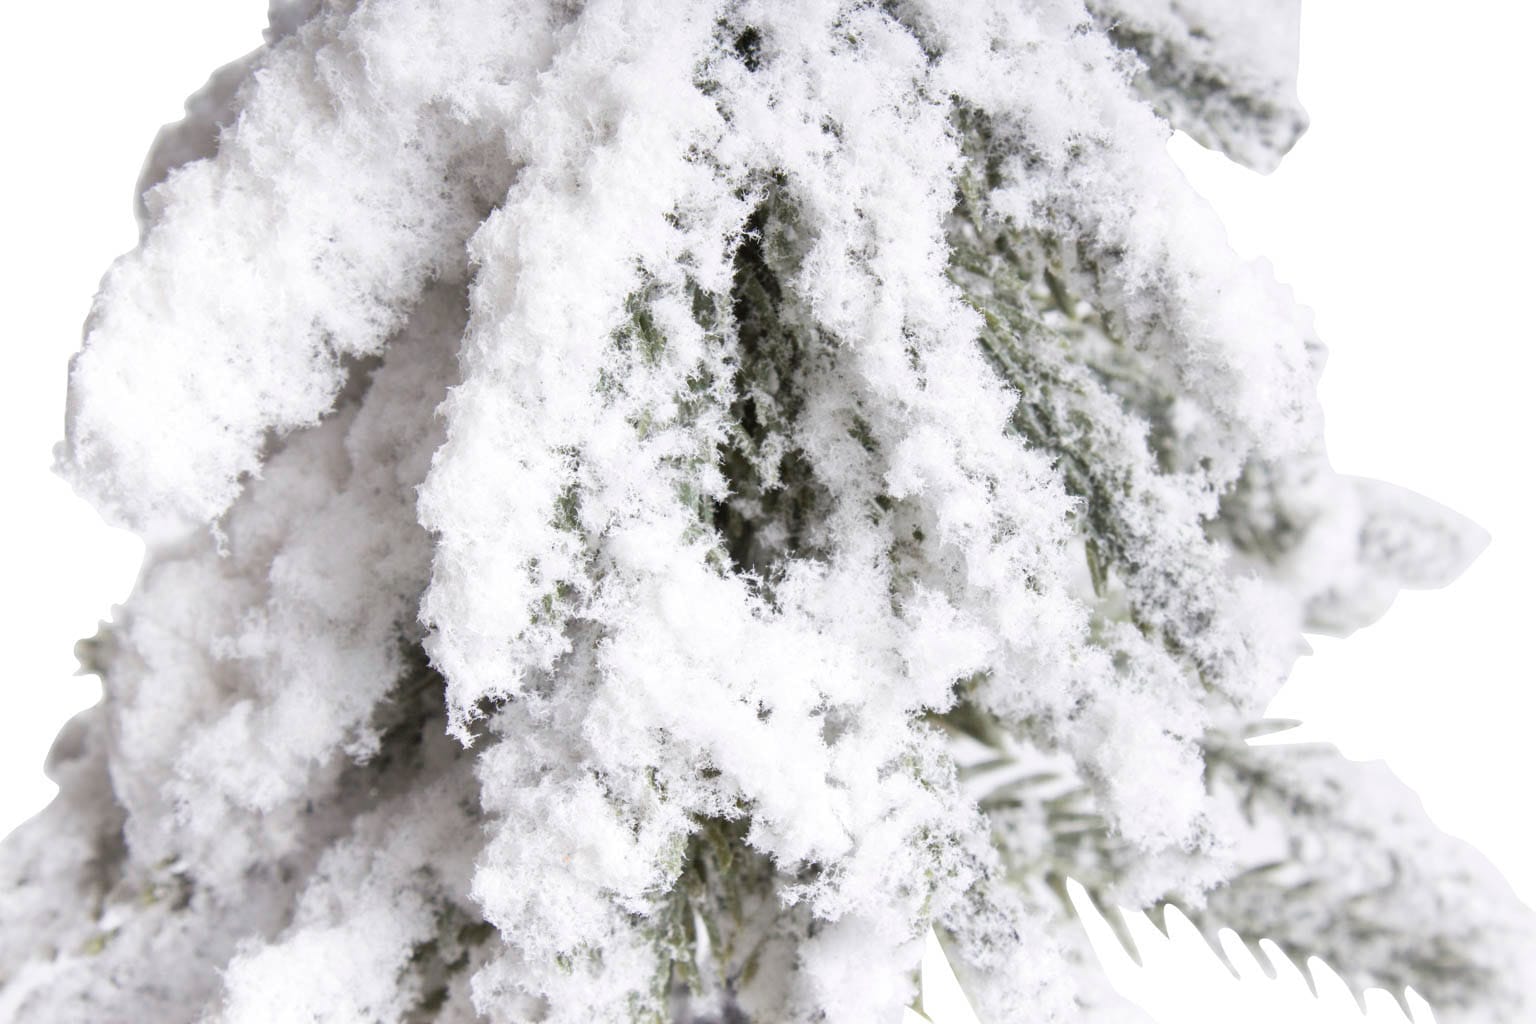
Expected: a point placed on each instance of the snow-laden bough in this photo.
(654, 506)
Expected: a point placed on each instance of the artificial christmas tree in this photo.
(652, 506)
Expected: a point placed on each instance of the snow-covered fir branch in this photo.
(653, 506)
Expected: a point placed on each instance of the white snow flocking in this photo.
(653, 506)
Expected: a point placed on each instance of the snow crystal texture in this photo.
(653, 506)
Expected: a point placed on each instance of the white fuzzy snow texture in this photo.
(654, 505)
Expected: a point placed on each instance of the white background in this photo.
(1404, 218)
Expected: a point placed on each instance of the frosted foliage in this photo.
(652, 507)
(1223, 71)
